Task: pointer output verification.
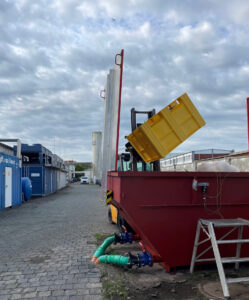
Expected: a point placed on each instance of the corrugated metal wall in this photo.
(16, 193)
(53, 180)
(43, 179)
(46, 170)
(36, 175)
(61, 179)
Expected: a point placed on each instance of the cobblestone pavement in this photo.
(46, 245)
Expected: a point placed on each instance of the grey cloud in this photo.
(55, 55)
(87, 59)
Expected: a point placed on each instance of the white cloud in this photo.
(238, 11)
(172, 16)
(201, 38)
(55, 56)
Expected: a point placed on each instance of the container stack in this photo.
(46, 170)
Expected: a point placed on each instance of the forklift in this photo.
(131, 161)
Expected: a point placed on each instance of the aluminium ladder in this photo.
(208, 227)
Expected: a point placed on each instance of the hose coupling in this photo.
(123, 238)
(140, 260)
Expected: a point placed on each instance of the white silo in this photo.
(110, 126)
(97, 155)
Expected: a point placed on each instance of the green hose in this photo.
(101, 250)
(114, 259)
(99, 254)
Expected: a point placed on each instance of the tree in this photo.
(82, 167)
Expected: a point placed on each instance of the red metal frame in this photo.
(119, 101)
(247, 106)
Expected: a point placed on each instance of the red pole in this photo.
(247, 106)
(119, 102)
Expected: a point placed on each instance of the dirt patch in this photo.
(213, 290)
(121, 283)
(148, 283)
(168, 291)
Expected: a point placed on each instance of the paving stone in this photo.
(70, 292)
(83, 292)
(82, 281)
(30, 295)
(10, 281)
(34, 279)
(5, 292)
(95, 280)
(16, 296)
(92, 297)
(67, 286)
(24, 284)
(11, 286)
(44, 288)
(59, 282)
(95, 291)
(58, 293)
(15, 291)
(55, 235)
(92, 285)
(79, 285)
(44, 294)
(29, 290)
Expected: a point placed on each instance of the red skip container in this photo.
(164, 207)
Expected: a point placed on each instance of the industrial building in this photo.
(70, 164)
(177, 159)
(46, 170)
(191, 160)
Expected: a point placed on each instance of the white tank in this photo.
(97, 154)
(110, 126)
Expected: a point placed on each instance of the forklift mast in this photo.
(124, 161)
(135, 157)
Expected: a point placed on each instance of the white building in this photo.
(71, 169)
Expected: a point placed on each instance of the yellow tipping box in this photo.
(167, 129)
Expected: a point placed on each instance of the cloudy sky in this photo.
(55, 55)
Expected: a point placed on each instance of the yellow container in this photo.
(167, 129)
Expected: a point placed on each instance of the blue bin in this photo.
(26, 188)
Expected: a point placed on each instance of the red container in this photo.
(164, 207)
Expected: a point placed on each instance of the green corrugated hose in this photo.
(114, 259)
(101, 250)
(99, 254)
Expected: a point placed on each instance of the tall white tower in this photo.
(110, 126)
(97, 155)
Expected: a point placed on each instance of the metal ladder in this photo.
(208, 227)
